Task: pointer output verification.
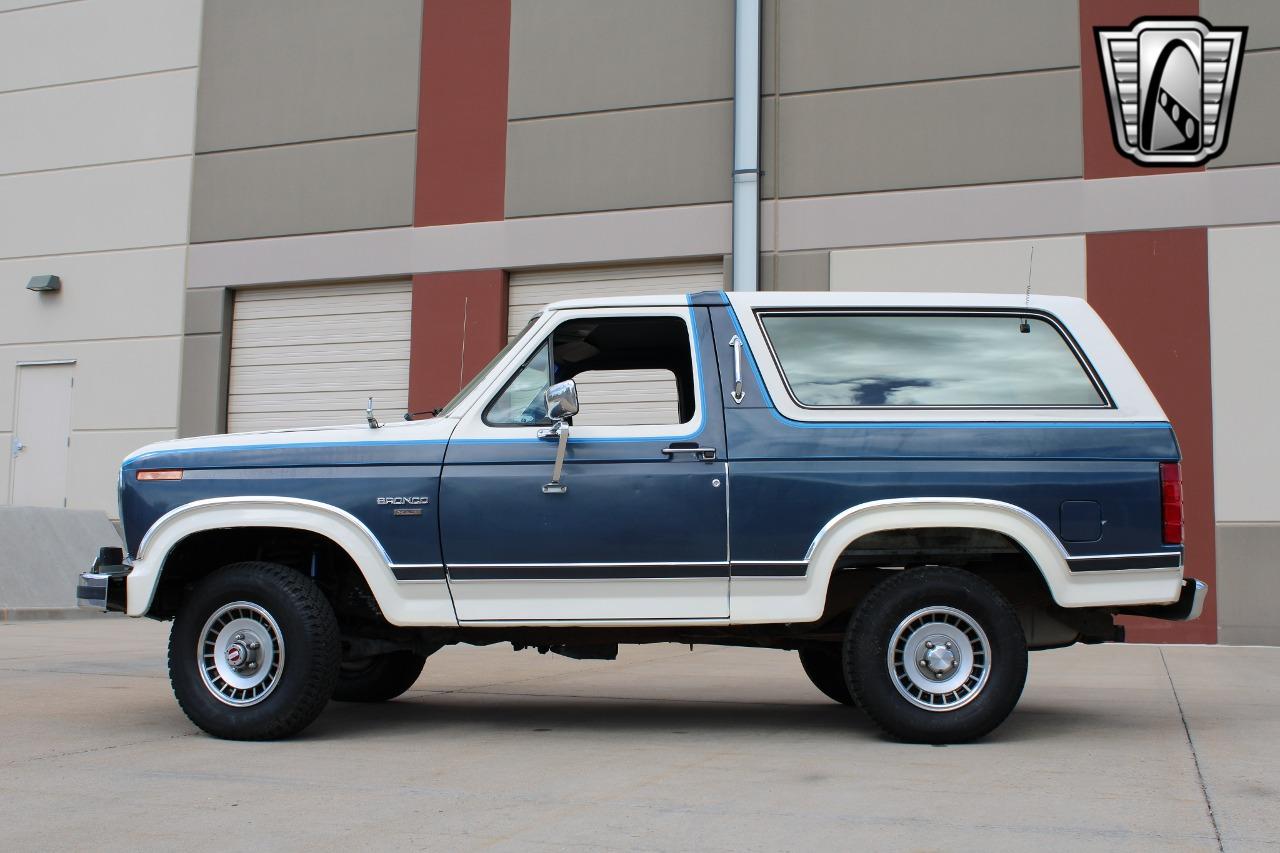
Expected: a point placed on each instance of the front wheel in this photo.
(936, 655)
(254, 652)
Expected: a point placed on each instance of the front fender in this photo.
(425, 603)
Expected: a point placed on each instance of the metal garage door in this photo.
(614, 397)
(312, 355)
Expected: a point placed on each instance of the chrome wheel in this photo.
(240, 654)
(939, 658)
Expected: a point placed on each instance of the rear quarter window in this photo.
(928, 360)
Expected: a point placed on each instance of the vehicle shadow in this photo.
(459, 713)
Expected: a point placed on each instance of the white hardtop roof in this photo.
(842, 299)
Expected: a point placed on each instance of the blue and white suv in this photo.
(909, 490)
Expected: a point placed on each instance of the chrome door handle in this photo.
(706, 454)
(736, 343)
(16, 447)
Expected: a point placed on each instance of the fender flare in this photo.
(1029, 532)
(337, 525)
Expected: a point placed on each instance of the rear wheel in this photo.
(254, 652)
(378, 678)
(936, 655)
(826, 670)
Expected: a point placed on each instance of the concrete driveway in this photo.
(1113, 747)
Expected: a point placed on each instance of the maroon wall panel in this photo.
(459, 319)
(462, 112)
(1152, 288)
(1101, 159)
(459, 322)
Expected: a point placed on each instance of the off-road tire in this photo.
(310, 644)
(379, 678)
(825, 669)
(880, 618)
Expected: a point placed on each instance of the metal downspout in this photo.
(746, 146)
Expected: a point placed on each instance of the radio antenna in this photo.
(1024, 326)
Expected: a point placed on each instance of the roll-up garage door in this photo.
(613, 397)
(312, 355)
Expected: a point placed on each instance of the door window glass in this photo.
(630, 371)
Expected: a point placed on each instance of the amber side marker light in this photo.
(161, 474)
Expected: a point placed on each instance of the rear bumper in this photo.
(103, 586)
(1189, 606)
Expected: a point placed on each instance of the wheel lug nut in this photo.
(253, 665)
(254, 646)
(948, 644)
(924, 662)
(928, 644)
(239, 636)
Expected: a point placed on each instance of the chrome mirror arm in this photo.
(561, 431)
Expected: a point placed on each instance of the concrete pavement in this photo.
(1112, 748)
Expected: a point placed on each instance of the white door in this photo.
(42, 434)
(312, 355)
(613, 397)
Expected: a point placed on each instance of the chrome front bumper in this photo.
(103, 586)
(1189, 606)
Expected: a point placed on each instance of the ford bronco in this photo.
(910, 491)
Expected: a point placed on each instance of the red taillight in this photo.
(1171, 502)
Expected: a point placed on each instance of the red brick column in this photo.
(459, 319)
(1152, 288)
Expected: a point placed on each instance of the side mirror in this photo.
(562, 400)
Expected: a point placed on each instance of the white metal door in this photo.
(42, 434)
(311, 355)
(610, 398)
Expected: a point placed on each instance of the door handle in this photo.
(16, 447)
(706, 454)
(738, 394)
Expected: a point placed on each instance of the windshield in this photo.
(449, 407)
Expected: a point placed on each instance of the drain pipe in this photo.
(746, 146)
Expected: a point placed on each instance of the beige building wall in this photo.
(985, 266)
(1243, 303)
(96, 190)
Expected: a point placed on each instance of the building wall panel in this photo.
(1243, 304)
(93, 468)
(299, 70)
(1254, 137)
(98, 208)
(608, 161)
(306, 188)
(1249, 584)
(986, 266)
(104, 295)
(983, 130)
(96, 39)
(1262, 17)
(639, 54)
(107, 121)
(835, 44)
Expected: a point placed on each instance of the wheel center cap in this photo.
(940, 659)
(237, 655)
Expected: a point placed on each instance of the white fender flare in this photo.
(1079, 589)
(402, 604)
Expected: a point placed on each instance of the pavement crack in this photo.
(1195, 758)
